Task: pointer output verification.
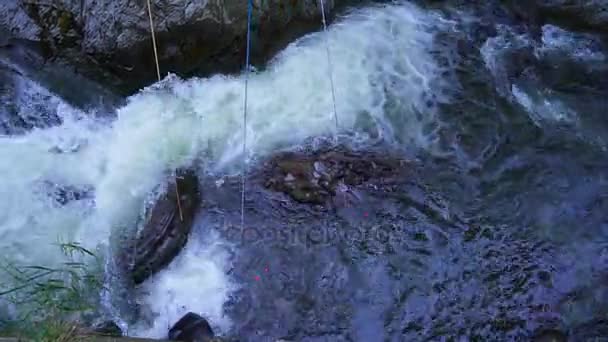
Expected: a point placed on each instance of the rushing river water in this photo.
(507, 134)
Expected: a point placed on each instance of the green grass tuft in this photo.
(50, 301)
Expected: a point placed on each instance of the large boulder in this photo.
(326, 175)
(191, 34)
(164, 233)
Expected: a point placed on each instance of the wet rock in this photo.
(190, 34)
(5, 38)
(591, 14)
(64, 194)
(192, 328)
(593, 330)
(319, 177)
(549, 335)
(22, 109)
(37, 93)
(575, 14)
(164, 233)
(108, 328)
(15, 20)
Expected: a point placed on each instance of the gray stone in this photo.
(190, 33)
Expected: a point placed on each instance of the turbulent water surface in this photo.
(506, 131)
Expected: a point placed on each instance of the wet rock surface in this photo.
(317, 178)
(192, 328)
(15, 117)
(36, 93)
(164, 233)
(190, 34)
(549, 335)
(402, 262)
(64, 194)
(575, 14)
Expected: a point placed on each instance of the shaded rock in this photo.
(190, 34)
(5, 38)
(316, 178)
(191, 328)
(575, 14)
(164, 233)
(592, 14)
(108, 328)
(549, 335)
(593, 330)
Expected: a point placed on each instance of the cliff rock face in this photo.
(191, 34)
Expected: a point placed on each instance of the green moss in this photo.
(421, 236)
(471, 233)
(65, 22)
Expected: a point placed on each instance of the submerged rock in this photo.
(164, 233)
(64, 194)
(319, 177)
(192, 328)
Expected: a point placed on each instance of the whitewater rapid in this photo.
(387, 85)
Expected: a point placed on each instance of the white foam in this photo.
(542, 108)
(196, 281)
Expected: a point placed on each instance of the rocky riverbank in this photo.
(111, 41)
